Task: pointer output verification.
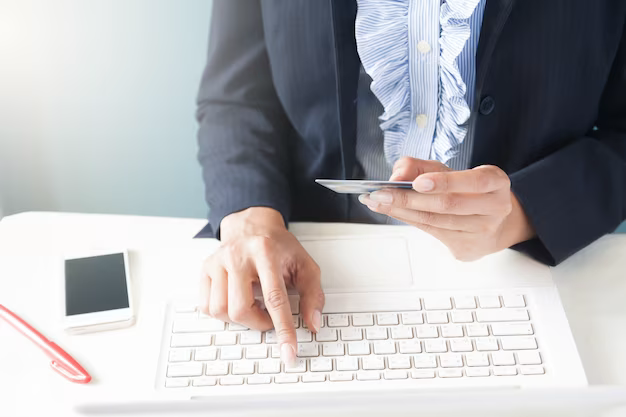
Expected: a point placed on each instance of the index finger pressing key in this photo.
(277, 304)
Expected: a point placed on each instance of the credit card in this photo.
(362, 186)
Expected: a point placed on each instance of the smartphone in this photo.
(97, 292)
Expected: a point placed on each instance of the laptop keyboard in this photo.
(485, 336)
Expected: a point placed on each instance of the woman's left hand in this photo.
(473, 212)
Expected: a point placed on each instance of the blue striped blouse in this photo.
(421, 57)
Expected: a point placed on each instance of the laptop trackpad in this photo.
(365, 262)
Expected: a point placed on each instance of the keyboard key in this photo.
(477, 359)
(395, 374)
(461, 345)
(450, 373)
(384, 347)
(190, 340)
(294, 303)
(504, 371)
(230, 353)
(424, 361)
(259, 379)
(451, 360)
(376, 333)
(298, 367)
(286, 379)
(401, 332)
(307, 350)
(387, 319)
(351, 334)
(303, 335)
(518, 343)
(373, 362)
(251, 337)
(332, 349)
(176, 382)
(358, 348)
(185, 308)
(180, 355)
(514, 301)
(477, 330)
(462, 316)
(270, 337)
(347, 363)
(528, 357)
(256, 352)
(435, 346)
(225, 339)
(437, 303)
(197, 326)
(412, 318)
(477, 372)
(437, 317)
(321, 365)
(452, 330)
(217, 368)
(269, 366)
(313, 378)
(502, 314)
(341, 376)
(426, 331)
(206, 354)
(275, 351)
(326, 335)
(422, 374)
(489, 301)
(231, 380)
(485, 344)
(532, 370)
(236, 327)
(362, 319)
(184, 369)
(338, 320)
(206, 381)
(243, 367)
(367, 376)
(511, 329)
(410, 346)
(296, 321)
(502, 358)
(464, 302)
(399, 362)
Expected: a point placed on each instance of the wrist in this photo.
(517, 227)
(251, 221)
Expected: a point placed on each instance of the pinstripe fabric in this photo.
(412, 81)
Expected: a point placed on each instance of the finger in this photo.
(242, 307)
(482, 179)
(218, 303)
(308, 284)
(277, 304)
(471, 223)
(455, 203)
(407, 168)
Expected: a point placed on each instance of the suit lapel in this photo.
(347, 64)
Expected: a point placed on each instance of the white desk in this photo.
(165, 262)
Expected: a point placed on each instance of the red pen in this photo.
(62, 362)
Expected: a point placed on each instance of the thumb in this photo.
(309, 286)
(407, 168)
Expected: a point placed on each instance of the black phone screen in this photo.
(95, 284)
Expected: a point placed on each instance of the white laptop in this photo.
(404, 325)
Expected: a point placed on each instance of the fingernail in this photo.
(363, 199)
(381, 197)
(288, 354)
(317, 320)
(424, 184)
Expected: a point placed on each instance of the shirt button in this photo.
(422, 120)
(487, 105)
(423, 47)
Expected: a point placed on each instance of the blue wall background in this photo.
(97, 102)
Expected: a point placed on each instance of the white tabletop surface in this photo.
(165, 262)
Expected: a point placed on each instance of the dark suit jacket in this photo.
(277, 109)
